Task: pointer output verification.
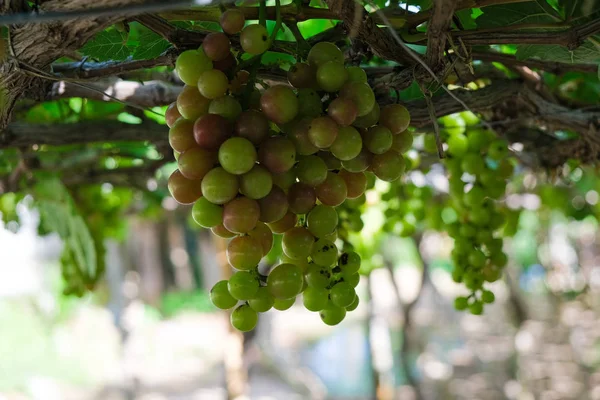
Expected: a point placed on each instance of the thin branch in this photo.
(146, 94)
(419, 18)
(570, 38)
(381, 41)
(90, 70)
(24, 135)
(437, 30)
(98, 12)
(548, 66)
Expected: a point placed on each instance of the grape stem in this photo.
(277, 19)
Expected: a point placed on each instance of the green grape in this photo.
(402, 142)
(356, 183)
(219, 186)
(254, 39)
(333, 191)
(277, 154)
(279, 104)
(237, 155)
(322, 220)
(317, 276)
(324, 253)
(476, 258)
(360, 163)
(479, 139)
(232, 21)
(378, 139)
(252, 125)
(499, 259)
(216, 46)
(395, 117)
(370, 119)
(342, 294)
(302, 75)
(244, 318)
(301, 198)
(461, 303)
(476, 308)
(354, 304)
(361, 94)
(244, 252)
(181, 135)
(474, 197)
(211, 130)
(458, 145)
(388, 166)
(195, 162)
(287, 222)
(323, 52)
(491, 273)
(207, 214)
(322, 132)
(343, 111)
(347, 145)
(315, 299)
(172, 114)
(356, 74)
(263, 301)
(284, 304)
(284, 180)
(349, 263)
(330, 160)
(505, 169)
(241, 215)
(352, 279)
(498, 149)
(285, 281)
(332, 314)
(263, 234)
(331, 76)
(243, 285)
(469, 118)
(430, 144)
(309, 103)
(297, 132)
(213, 83)
(311, 170)
(453, 124)
(191, 104)
(467, 230)
(298, 242)
(220, 296)
(222, 232)
(190, 64)
(457, 275)
(487, 296)
(256, 183)
(183, 190)
(472, 163)
(227, 107)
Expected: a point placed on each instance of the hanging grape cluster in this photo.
(478, 164)
(279, 161)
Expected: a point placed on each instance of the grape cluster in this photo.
(478, 164)
(255, 164)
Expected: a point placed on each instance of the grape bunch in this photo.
(278, 162)
(478, 164)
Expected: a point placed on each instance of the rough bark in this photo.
(40, 44)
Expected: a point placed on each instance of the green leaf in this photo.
(107, 45)
(584, 54)
(466, 18)
(517, 13)
(81, 243)
(580, 9)
(150, 46)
